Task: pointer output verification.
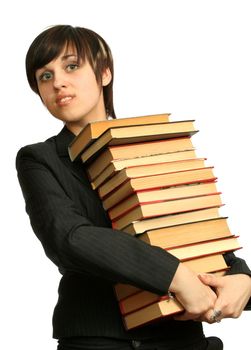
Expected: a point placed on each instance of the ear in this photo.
(106, 77)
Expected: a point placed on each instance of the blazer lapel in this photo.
(63, 139)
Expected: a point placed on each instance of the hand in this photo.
(233, 293)
(195, 296)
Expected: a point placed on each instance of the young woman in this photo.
(71, 69)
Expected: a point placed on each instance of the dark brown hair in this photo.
(89, 46)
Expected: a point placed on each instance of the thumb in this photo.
(210, 280)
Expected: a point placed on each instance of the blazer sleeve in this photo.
(238, 265)
(74, 243)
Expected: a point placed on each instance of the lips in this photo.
(64, 100)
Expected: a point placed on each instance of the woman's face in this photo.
(69, 90)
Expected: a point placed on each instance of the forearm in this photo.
(118, 257)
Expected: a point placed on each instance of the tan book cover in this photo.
(138, 133)
(94, 129)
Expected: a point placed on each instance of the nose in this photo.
(59, 80)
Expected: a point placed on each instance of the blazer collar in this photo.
(63, 139)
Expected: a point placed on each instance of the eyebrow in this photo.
(65, 57)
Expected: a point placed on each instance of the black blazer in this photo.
(69, 220)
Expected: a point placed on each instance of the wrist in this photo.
(181, 275)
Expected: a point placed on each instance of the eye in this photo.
(45, 76)
(71, 67)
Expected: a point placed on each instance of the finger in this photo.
(212, 316)
(210, 280)
(216, 316)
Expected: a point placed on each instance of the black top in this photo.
(68, 218)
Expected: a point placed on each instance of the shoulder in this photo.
(36, 152)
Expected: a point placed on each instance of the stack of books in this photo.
(153, 186)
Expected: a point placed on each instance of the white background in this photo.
(191, 58)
